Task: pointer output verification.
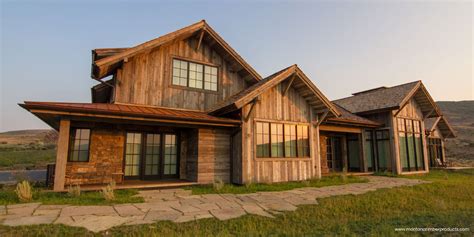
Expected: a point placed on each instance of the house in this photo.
(186, 108)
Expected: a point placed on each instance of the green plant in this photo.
(306, 183)
(108, 191)
(218, 184)
(23, 191)
(74, 191)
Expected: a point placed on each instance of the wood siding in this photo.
(146, 78)
(213, 162)
(273, 106)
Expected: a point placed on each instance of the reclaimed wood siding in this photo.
(274, 106)
(146, 78)
(213, 162)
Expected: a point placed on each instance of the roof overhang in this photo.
(443, 126)
(298, 80)
(106, 61)
(427, 105)
(52, 113)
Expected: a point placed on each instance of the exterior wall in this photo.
(146, 78)
(276, 107)
(105, 159)
(323, 149)
(213, 162)
(410, 111)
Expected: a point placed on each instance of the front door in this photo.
(151, 156)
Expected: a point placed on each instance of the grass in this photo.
(446, 202)
(261, 187)
(16, 157)
(8, 196)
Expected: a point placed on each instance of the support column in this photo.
(318, 153)
(425, 146)
(396, 166)
(61, 156)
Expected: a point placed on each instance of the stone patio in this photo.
(179, 205)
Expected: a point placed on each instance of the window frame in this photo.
(204, 64)
(72, 140)
(283, 123)
(407, 129)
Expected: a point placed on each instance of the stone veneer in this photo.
(105, 159)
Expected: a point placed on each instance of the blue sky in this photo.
(343, 46)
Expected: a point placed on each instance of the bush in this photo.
(23, 191)
(108, 192)
(74, 191)
(218, 184)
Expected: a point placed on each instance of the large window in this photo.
(194, 75)
(133, 151)
(369, 150)
(411, 145)
(281, 140)
(79, 145)
(382, 141)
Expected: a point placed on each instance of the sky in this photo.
(343, 46)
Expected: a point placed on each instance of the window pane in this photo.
(419, 152)
(277, 140)
(403, 150)
(79, 145)
(262, 139)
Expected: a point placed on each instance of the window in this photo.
(79, 145)
(303, 141)
(435, 150)
(382, 139)
(263, 133)
(369, 150)
(277, 139)
(281, 140)
(132, 154)
(290, 140)
(194, 75)
(410, 144)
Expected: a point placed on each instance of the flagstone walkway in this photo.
(178, 205)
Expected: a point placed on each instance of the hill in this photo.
(460, 114)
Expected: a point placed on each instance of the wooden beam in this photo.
(62, 154)
(435, 124)
(428, 114)
(247, 117)
(322, 118)
(200, 39)
(289, 84)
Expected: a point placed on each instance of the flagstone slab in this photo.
(22, 209)
(128, 210)
(162, 215)
(99, 223)
(29, 220)
(88, 210)
(3, 210)
(225, 214)
(256, 210)
(47, 212)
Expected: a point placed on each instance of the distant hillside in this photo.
(29, 137)
(461, 117)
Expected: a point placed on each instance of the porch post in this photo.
(425, 146)
(61, 156)
(318, 153)
(396, 166)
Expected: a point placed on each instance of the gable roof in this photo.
(301, 83)
(50, 112)
(391, 98)
(106, 61)
(444, 127)
(351, 119)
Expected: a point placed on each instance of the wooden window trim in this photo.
(187, 60)
(71, 145)
(270, 135)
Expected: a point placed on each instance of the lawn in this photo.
(8, 196)
(26, 157)
(446, 202)
(262, 187)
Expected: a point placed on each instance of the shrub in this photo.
(306, 183)
(74, 191)
(218, 184)
(24, 192)
(108, 192)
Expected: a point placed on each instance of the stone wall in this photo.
(324, 161)
(105, 159)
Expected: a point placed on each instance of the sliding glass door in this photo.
(151, 156)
